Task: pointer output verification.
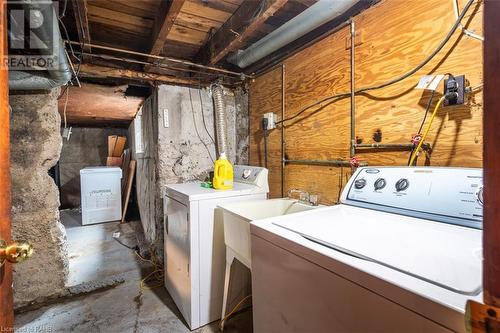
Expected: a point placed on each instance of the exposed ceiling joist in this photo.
(96, 71)
(233, 34)
(163, 24)
(82, 23)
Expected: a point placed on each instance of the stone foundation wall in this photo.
(35, 148)
(184, 151)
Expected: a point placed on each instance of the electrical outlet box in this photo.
(272, 118)
(455, 85)
(166, 121)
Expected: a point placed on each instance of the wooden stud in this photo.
(237, 30)
(90, 70)
(164, 23)
(80, 10)
(128, 188)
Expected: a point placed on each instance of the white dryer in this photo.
(194, 241)
(401, 253)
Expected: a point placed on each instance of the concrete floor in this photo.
(94, 255)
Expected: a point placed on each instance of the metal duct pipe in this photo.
(220, 118)
(44, 80)
(318, 14)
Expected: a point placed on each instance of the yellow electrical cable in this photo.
(415, 152)
(233, 311)
(156, 274)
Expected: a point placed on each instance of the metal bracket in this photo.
(482, 318)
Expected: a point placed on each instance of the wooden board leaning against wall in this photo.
(391, 38)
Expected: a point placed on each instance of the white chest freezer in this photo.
(101, 197)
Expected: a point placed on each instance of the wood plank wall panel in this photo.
(266, 97)
(392, 38)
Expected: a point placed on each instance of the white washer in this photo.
(401, 253)
(194, 242)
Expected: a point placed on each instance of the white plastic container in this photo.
(101, 196)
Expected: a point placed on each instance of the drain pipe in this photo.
(315, 16)
(220, 118)
(43, 80)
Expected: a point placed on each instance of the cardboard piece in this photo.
(116, 144)
(114, 161)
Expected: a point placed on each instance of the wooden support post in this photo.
(491, 229)
(6, 301)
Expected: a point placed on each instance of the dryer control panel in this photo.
(451, 195)
(251, 175)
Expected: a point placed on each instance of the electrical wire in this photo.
(427, 129)
(196, 127)
(203, 114)
(65, 106)
(233, 311)
(155, 276)
(64, 9)
(428, 107)
(398, 79)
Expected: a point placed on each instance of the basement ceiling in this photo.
(98, 105)
(204, 32)
(193, 30)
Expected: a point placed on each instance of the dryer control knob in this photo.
(246, 173)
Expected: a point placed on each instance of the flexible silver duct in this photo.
(220, 118)
(43, 80)
(318, 14)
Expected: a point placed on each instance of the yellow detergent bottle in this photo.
(223, 173)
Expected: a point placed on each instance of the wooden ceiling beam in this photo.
(233, 34)
(96, 71)
(163, 24)
(80, 10)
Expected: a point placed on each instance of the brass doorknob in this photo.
(15, 252)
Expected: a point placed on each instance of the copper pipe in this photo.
(353, 91)
(323, 162)
(398, 146)
(282, 131)
(178, 61)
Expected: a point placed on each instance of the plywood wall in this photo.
(392, 38)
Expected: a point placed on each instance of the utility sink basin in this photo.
(237, 217)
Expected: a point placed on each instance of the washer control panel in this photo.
(452, 195)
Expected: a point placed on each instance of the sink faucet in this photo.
(304, 197)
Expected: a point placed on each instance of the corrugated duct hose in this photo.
(220, 118)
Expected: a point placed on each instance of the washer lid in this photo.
(445, 255)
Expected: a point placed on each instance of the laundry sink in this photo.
(237, 217)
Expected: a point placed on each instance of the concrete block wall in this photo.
(86, 147)
(35, 148)
(180, 148)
